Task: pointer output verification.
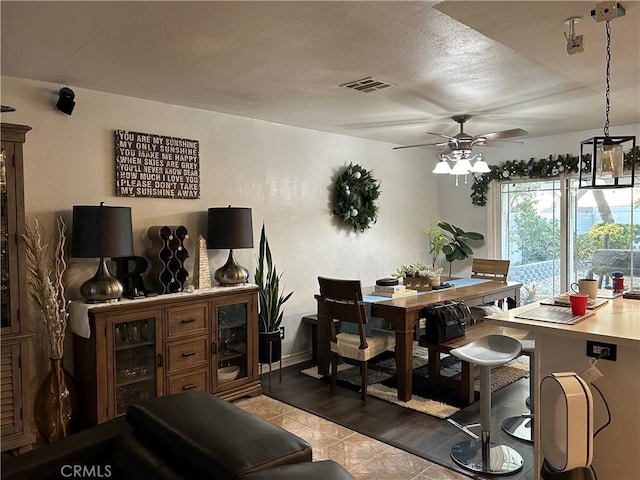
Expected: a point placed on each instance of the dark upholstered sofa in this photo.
(190, 435)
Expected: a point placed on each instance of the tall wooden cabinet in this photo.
(16, 337)
(137, 349)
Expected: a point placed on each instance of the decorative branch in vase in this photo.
(55, 400)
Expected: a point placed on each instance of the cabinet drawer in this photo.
(187, 354)
(186, 321)
(190, 381)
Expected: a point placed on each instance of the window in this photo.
(554, 234)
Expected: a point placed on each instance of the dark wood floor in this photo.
(420, 434)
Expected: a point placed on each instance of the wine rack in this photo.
(167, 255)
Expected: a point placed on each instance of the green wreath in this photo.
(354, 198)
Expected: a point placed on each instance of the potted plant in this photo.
(457, 247)
(419, 276)
(437, 241)
(271, 301)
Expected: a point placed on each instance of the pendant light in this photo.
(606, 153)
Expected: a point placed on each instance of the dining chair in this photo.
(489, 269)
(343, 303)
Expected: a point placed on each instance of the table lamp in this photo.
(101, 232)
(230, 227)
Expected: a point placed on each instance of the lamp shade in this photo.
(461, 167)
(229, 227)
(441, 167)
(100, 231)
(480, 167)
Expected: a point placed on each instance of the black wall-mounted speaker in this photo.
(65, 102)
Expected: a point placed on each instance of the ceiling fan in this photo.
(463, 142)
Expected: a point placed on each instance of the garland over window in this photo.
(355, 195)
(544, 168)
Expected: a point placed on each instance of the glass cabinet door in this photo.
(8, 265)
(232, 341)
(134, 361)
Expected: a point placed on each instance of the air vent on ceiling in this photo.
(367, 85)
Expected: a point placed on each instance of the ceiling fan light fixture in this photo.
(480, 167)
(442, 167)
(461, 167)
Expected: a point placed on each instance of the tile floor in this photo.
(364, 457)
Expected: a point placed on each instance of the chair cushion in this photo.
(210, 437)
(131, 458)
(348, 346)
(481, 311)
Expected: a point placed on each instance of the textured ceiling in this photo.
(505, 63)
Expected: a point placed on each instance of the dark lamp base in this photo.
(231, 273)
(102, 287)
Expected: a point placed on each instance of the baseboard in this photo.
(289, 360)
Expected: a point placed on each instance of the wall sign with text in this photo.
(150, 165)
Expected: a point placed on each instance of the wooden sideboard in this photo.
(206, 340)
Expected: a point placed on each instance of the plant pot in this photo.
(435, 281)
(417, 283)
(266, 340)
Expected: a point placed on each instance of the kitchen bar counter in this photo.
(563, 348)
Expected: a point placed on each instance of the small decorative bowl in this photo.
(226, 374)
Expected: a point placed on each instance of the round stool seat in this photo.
(489, 351)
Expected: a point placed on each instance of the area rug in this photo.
(382, 382)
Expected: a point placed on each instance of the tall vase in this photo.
(55, 403)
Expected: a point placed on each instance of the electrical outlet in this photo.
(607, 11)
(605, 351)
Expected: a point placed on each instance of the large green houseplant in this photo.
(271, 300)
(457, 247)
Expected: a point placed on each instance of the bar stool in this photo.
(482, 456)
(521, 427)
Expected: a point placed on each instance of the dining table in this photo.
(404, 313)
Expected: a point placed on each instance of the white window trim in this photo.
(494, 223)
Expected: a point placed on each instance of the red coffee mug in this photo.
(578, 303)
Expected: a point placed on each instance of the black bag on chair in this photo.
(446, 321)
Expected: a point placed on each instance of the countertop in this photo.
(618, 322)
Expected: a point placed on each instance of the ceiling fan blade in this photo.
(496, 136)
(439, 144)
(449, 137)
(500, 143)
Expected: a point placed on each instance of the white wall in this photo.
(458, 209)
(283, 173)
